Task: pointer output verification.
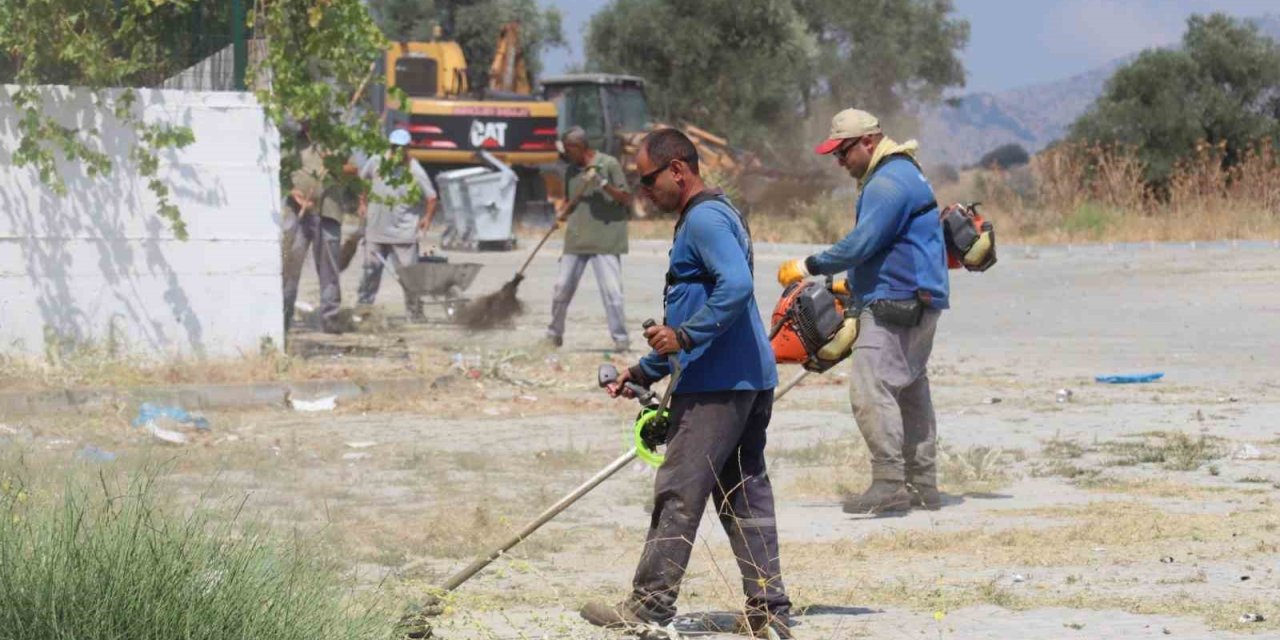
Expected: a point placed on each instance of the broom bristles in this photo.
(488, 311)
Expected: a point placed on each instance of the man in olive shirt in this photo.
(596, 235)
(313, 222)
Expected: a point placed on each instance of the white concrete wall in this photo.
(99, 265)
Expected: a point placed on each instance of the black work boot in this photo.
(615, 616)
(758, 624)
(925, 495)
(882, 496)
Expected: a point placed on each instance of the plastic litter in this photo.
(166, 416)
(1167, 559)
(553, 362)
(8, 433)
(364, 444)
(1064, 395)
(1130, 378)
(166, 435)
(160, 420)
(94, 454)
(327, 403)
(1018, 577)
(992, 400)
(1246, 452)
(1253, 617)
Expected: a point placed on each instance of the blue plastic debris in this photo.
(150, 413)
(155, 419)
(1130, 378)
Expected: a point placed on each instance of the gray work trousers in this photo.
(716, 450)
(608, 271)
(889, 391)
(322, 237)
(371, 278)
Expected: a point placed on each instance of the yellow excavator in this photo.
(449, 123)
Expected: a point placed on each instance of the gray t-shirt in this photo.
(391, 219)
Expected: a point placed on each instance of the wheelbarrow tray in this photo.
(439, 279)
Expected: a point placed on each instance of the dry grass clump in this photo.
(1073, 193)
(1077, 192)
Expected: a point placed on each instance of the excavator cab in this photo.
(427, 69)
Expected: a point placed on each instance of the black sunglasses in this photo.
(844, 148)
(648, 179)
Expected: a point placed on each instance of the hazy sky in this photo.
(1014, 43)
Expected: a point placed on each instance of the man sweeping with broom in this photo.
(596, 235)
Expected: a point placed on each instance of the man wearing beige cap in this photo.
(897, 269)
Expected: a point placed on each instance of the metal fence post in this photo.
(240, 44)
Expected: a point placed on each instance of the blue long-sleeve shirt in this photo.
(712, 300)
(896, 246)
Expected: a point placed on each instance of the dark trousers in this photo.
(322, 237)
(716, 451)
(400, 255)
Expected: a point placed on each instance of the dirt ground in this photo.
(1125, 511)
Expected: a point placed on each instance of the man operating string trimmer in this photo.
(720, 407)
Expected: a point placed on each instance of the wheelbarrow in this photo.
(440, 281)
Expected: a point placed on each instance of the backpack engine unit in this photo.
(971, 241)
(805, 319)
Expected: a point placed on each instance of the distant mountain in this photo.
(1030, 116)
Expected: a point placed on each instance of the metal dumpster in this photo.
(477, 203)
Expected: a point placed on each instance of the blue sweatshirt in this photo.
(712, 300)
(891, 253)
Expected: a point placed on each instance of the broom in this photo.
(502, 305)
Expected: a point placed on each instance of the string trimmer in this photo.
(649, 433)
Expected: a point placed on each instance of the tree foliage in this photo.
(96, 45)
(475, 25)
(878, 54)
(1222, 87)
(411, 20)
(750, 68)
(731, 64)
(1005, 156)
(318, 59)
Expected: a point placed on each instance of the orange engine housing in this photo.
(804, 319)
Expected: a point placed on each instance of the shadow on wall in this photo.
(105, 231)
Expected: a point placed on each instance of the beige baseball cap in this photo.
(850, 123)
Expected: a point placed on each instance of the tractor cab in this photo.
(605, 105)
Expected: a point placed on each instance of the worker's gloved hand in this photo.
(593, 180)
(792, 271)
